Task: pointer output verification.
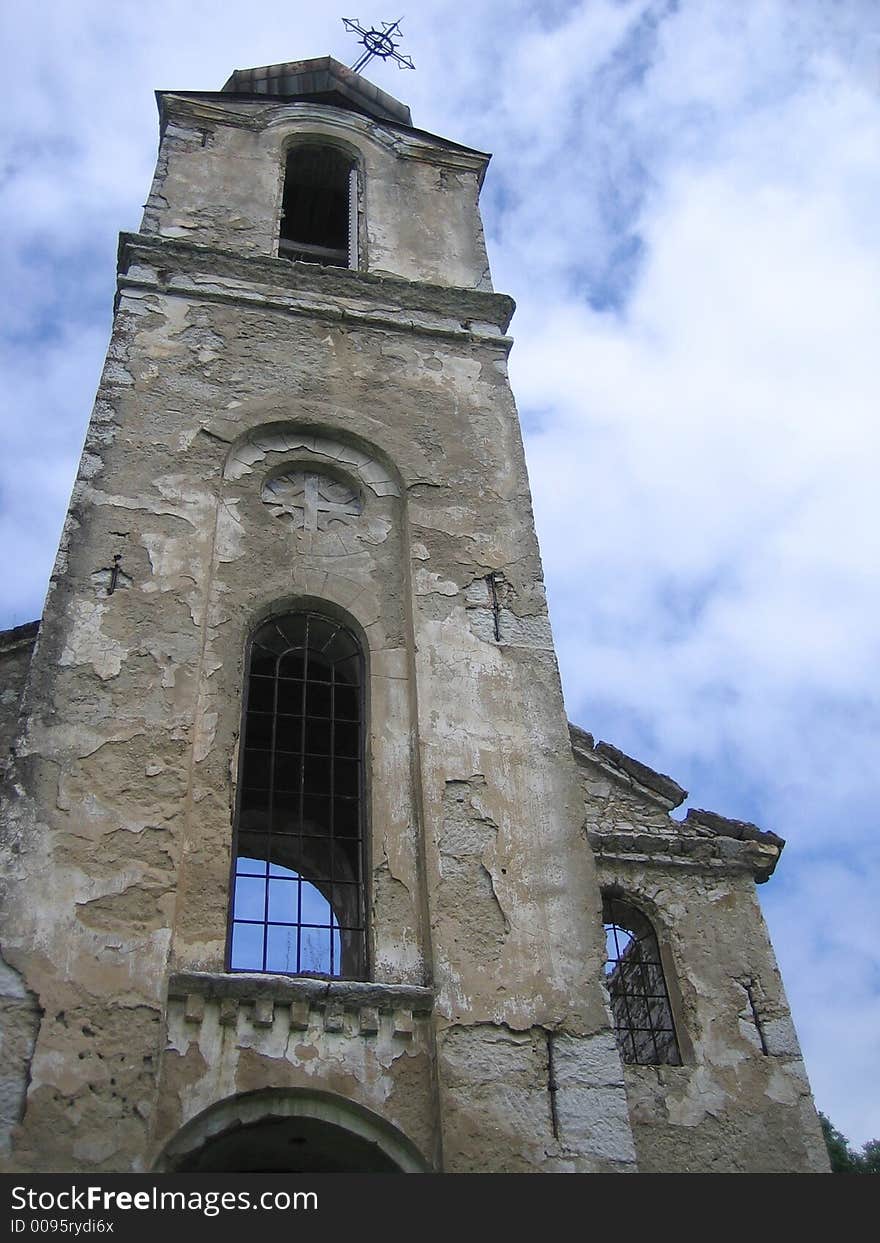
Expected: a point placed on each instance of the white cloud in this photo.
(829, 964)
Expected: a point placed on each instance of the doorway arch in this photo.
(289, 1131)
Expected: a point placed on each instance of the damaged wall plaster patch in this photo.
(87, 644)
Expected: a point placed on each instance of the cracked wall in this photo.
(518, 1101)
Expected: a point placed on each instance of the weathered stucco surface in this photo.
(482, 1036)
(220, 172)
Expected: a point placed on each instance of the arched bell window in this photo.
(643, 1024)
(298, 905)
(319, 207)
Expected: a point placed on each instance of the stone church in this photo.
(304, 867)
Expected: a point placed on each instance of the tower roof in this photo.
(322, 80)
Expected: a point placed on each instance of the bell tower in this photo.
(299, 773)
(299, 873)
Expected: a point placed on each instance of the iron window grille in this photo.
(298, 903)
(643, 1023)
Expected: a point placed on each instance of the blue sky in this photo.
(683, 202)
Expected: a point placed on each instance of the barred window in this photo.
(636, 984)
(298, 903)
(319, 208)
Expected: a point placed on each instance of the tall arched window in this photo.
(319, 208)
(636, 984)
(298, 902)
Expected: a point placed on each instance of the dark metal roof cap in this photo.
(321, 80)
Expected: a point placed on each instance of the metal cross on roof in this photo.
(378, 43)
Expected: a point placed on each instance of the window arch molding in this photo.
(642, 981)
(298, 894)
(322, 136)
(320, 202)
(276, 440)
(299, 601)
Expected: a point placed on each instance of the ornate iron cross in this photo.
(377, 43)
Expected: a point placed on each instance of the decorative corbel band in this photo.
(305, 1001)
(150, 264)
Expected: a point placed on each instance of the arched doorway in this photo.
(289, 1131)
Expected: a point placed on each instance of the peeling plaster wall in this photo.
(740, 1102)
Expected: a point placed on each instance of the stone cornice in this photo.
(711, 854)
(287, 990)
(261, 112)
(703, 839)
(19, 636)
(185, 269)
(723, 826)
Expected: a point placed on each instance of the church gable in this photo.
(697, 1003)
(627, 813)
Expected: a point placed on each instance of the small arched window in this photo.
(298, 904)
(643, 1023)
(319, 207)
